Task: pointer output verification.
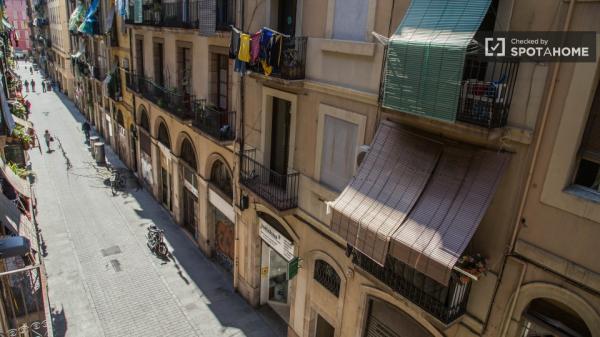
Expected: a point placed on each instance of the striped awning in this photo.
(417, 199)
(14, 220)
(426, 54)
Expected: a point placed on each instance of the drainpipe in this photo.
(543, 119)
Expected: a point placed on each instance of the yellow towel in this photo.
(244, 53)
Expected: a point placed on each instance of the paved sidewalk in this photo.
(102, 279)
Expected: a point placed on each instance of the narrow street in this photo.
(102, 279)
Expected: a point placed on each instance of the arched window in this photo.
(221, 178)
(188, 155)
(163, 135)
(120, 118)
(144, 120)
(327, 277)
(546, 317)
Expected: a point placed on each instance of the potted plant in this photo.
(474, 265)
(18, 170)
(20, 135)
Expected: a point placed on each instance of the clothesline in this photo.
(235, 29)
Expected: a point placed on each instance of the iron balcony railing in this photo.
(178, 14)
(293, 60)
(281, 190)
(446, 303)
(486, 91)
(99, 73)
(114, 87)
(179, 104)
(217, 123)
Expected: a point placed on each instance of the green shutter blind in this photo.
(426, 56)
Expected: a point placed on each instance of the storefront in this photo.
(164, 166)
(277, 251)
(222, 216)
(385, 320)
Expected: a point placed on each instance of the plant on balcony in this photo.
(18, 170)
(20, 134)
(475, 265)
(19, 110)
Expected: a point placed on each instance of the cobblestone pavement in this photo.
(102, 279)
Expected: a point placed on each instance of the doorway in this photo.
(275, 285)
(286, 17)
(165, 188)
(280, 139)
(190, 202)
(224, 240)
(323, 328)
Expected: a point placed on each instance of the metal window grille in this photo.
(327, 277)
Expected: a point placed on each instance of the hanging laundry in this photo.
(277, 47)
(234, 45)
(244, 54)
(239, 66)
(254, 47)
(265, 43)
(266, 68)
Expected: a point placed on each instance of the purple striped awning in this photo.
(417, 200)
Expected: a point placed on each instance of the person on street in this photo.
(31, 70)
(43, 86)
(26, 83)
(86, 130)
(48, 138)
(32, 85)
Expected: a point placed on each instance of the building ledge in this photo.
(354, 48)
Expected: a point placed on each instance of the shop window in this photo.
(163, 135)
(221, 178)
(327, 277)
(549, 318)
(588, 169)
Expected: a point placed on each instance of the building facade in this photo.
(16, 11)
(355, 181)
(59, 65)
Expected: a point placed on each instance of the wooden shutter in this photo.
(590, 147)
(339, 152)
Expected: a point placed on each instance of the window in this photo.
(327, 277)
(184, 69)
(139, 56)
(222, 85)
(549, 318)
(158, 63)
(225, 14)
(163, 135)
(221, 178)
(350, 19)
(188, 154)
(339, 152)
(588, 170)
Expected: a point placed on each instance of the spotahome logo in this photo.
(541, 46)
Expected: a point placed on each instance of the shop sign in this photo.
(276, 240)
(293, 267)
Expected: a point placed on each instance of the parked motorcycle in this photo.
(156, 243)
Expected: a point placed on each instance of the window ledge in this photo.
(348, 47)
(584, 193)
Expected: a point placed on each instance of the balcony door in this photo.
(286, 17)
(280, 139)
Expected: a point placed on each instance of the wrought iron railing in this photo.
(217, 123)
(179, 104)
(446, 303)
(99, 73)
(327, 277)
(179, 14)
(281, 190)
(292, 64)
(114, 87)
(486, 91)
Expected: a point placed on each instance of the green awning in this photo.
(426, 55)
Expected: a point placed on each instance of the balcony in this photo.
(281, 190)
(446, 303)
(176, 14)
(99, 73)
(293, 60)
(217, 123)
(181, 105)
(486, 91)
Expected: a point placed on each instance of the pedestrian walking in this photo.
(31, 70)
(43, 86)
(26, 83)
(86, 130)
(48, 138)
(32, 85)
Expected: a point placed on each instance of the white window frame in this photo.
(370, 20)
(346, 115)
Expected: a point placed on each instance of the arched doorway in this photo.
(386, 320)
(550, 318)
(221, 214)
(189, 186)
(145, 148)
(277, 251)
(164, 164)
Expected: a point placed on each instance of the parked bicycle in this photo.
(155, 241)
(117, 182)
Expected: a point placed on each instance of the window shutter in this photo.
(426, 55)
(208, 16)
(339, 152)
(350, 20)
(590, 148)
